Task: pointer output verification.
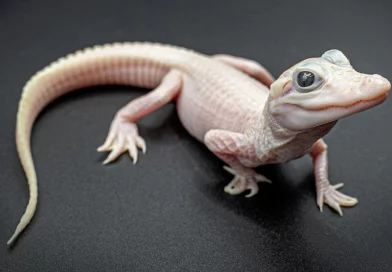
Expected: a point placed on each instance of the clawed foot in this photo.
(123, 135)
(244, 181)
(334, 199)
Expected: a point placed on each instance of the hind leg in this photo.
(229, 147)
(123, 133)
(250, 67)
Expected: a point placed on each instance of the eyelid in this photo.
(313, 67)
(316, 69)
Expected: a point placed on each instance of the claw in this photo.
(132, 149)
(108, 142)
(333, 204)
(337, 186)
(122, 136)
(335, 199)
(345, 200)
(230, 170)
(241, 183)
(320, 202)
(254, 189)
(261, 178)
(117, 150)
(141, 144)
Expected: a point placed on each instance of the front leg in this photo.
(249, 67)
(327, 193)
(123, 134)
(230, 147)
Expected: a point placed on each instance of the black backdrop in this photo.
(169, 212)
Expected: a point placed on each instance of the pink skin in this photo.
(238, 149)
(249, 67)
(231, 147)
(123, 132)
(326, 193)
(223, 101)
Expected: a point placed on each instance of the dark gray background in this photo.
(169, 212)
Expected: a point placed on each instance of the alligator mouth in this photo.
(299, 118)
(358, 106)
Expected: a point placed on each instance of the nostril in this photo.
(381, 81)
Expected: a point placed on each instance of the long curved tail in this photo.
(136, 64)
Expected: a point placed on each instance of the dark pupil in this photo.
(305, 79)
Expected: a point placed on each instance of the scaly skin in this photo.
(223, 101)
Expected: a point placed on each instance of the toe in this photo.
(320, 202)
(141, 144)
(254, 189)
(343, 199)
(330, 201)
(109, 140)
(235, 187)
(337, 186)
(230, 170)
(132, 149)
(261, 178)
(117, 150)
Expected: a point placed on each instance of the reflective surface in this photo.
(169, 212)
